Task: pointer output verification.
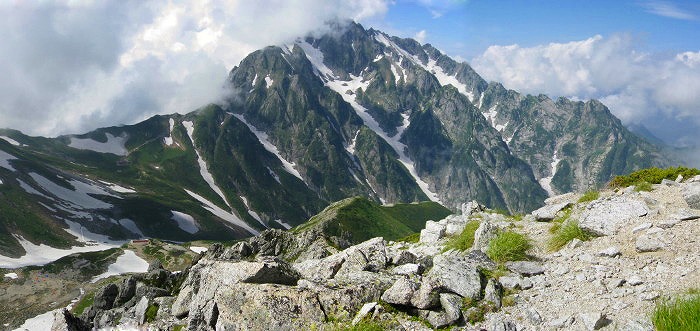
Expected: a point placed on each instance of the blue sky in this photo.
(467, 28)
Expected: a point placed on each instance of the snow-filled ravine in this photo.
(546, 182)
(125, 263)
(290, 167)
(316, 58)
(224, 215)
(203, 168)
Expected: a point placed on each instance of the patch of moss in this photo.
(589, 196)
(465, 239)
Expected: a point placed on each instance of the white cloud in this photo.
(72, 66)
(420, 36)
(638, 87)
(668, 9)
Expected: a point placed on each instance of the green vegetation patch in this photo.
(509, 246)
(85, 302)
(643, 187)
(414, 215)
(151, 313)
(562, 234)
(589, 196)
(681, 313)
(464, 240)
(361, 219)
(652, 176)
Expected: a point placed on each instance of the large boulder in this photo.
(549, 212)
(401, 292)
(452, 311)
(605, 217)
(266, 307)
(452, 272)
(208, 277)
(433, 232)
(691, 194)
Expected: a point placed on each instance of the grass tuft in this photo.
(508, 246)
(464, 240)
(643, 186)
(565, 233)
(677, 314)
(589, 196)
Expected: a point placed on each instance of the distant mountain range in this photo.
(353, 113)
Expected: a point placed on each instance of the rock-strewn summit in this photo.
(611, 281)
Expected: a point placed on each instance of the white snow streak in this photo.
(114, 145)
(11, 275)
(357, 82)
(224, 215)
(316, 58)
(351, 148)
(203, 168)
(198, 249)
(446, 79)
(10, 140)
(125, 263)
(263, 138)
(546, 182)
(117, 188)
(169, 139)
(283, 224)
(268, 81)
(255, 79)
(184, 221)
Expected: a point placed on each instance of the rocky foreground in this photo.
(645, 248)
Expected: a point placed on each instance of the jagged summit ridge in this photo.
(352, 113)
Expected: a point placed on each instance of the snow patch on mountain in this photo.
(446, 79)
(184, 221)
(350, 148)
(117, 188)
(80, 197)
(5, 160)
(125, 263)
(315, 56)
(546, 182)
(10, 140)
(268, 81)
(263, 138)
(42, 254)
(169, 139)
(114, 145)
(284, 224)
(203, 168)
(131, 226)
(220, 213)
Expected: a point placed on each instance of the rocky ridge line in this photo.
(646, 249)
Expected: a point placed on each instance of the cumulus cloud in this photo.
(659, 91)
(420, 36)
(72, 66)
